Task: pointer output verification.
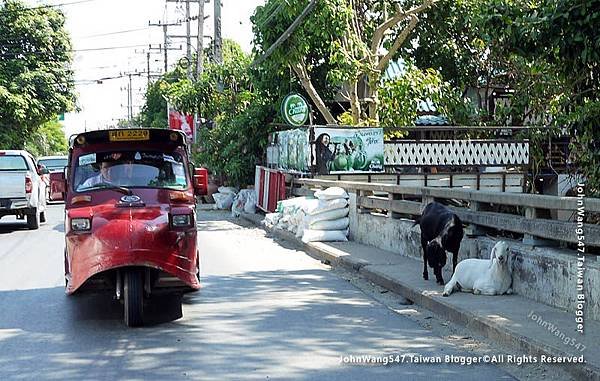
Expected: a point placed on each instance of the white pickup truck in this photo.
(22, 190)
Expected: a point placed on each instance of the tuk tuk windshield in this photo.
(131, 169)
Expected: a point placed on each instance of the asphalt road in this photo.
(266, 312)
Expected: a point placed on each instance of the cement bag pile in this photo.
(290, 213)
(240, 202)
(293, 212)
(328, 219)
(224, 198)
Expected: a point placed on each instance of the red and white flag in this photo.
(183, 122)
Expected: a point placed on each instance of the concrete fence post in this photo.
(392, 197)
(473, 230)
(353, 214)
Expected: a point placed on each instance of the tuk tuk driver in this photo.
(102, 177)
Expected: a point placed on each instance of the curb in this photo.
(435, 304)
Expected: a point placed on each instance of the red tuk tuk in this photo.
(130, 215)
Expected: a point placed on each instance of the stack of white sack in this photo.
(271, 219)
(245, 201)
(328, 219)
(224, 198)
(290, 213)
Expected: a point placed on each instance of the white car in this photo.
(22, 189)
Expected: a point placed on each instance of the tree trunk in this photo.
(354, 102)
(306, 83)
(373, 96)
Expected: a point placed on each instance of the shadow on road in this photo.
(9, 227)
(59, 227)
(265, 324)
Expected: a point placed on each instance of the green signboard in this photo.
(294, 110)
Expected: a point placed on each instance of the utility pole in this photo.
(130, 100)
(165, 26)
(200, 42)
(188, 52)
(148, 66)
(188, 36)
(218, 48)
(130, 94)
(149, 73)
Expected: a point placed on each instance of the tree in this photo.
(232, 143)
(357, 38)
(49, 139)
(154, 111)
(400, 97)
(546, 52)
(36, 81)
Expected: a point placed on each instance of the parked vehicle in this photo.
(22, 190)
(55, 165)
(131, 216)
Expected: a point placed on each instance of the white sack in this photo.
(239, 202)
(250, 206)
(309, 204)
(326, 205)
(340, 224)
(223, 200)
(227, 190)
(331, 193)
(326, 216)
(300, 230)
(271, 219)
(311, 235)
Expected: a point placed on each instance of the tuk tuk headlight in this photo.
(81, 224)
(181, 220)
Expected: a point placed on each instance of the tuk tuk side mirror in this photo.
(200, 181)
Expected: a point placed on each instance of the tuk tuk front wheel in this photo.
(133, 290)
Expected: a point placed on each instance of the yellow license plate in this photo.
(127, 135)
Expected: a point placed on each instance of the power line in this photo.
(46, 6)
(116, 32)
(108, 48)
(17, 54)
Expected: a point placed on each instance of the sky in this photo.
(95, 24)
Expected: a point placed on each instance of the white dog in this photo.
(483, 276)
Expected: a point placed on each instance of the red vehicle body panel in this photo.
(124, 236)
(57, 186)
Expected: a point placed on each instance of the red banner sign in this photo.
(183, 122)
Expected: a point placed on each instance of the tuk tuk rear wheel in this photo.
(133, 291)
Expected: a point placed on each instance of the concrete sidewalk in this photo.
(526, 326)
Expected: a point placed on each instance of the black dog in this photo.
(441, 231)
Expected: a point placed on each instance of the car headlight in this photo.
(181, 220)
(81, 224)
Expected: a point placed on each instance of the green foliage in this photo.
(235, 146)
(49, 139)
(310, 44)
(36, 81)
(154, 111)
(547, 52)
(400, 98)
(223, 95)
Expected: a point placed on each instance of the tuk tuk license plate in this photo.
(128, 135)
